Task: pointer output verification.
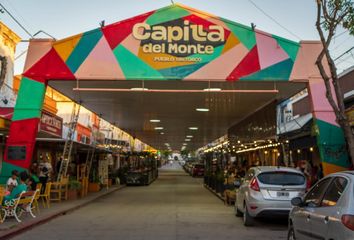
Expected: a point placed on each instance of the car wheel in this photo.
(247, 219)
(291, 233)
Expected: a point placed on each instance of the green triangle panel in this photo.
(6, 170)
(29, 101)
(133, 67)
(245, 34)
(331, 142)
(290, 47)
(181, 72)
(167, 14)
(278, 72)
(87, 42)
(208, 58)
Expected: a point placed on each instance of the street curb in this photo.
(7, 234)
(213, 192)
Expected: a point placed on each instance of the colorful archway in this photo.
(172, 43)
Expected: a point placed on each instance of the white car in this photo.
(267, 191)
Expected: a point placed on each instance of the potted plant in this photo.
(94, 185)
(220, 178)
(73, 189)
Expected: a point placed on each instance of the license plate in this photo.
(282, 194)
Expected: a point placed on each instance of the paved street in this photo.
(176, 206)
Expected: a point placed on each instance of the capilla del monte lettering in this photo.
(186, 39)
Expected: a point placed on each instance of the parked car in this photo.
(326, 211)
(198, 170)
(267, 191)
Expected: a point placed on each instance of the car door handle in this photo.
(326, 219)
(308, 218)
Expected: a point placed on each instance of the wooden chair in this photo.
(55, 191)
(64, 186)
(35, 202)
(229, 197)
(59, 190)
(2, 195)
(46, 195)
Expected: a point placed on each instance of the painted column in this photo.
(24, 127)
(330, 138)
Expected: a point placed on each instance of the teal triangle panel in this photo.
(331, 143)
(167, 14)
(181, 72)
(290, 47)
(277, 72)
(245, 34)
(133, 67)
(87, 42)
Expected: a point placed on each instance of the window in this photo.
(313, 198)
(334, 191)
(281, 178)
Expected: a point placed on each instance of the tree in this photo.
(332, 14)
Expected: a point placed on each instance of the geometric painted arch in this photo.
(174, 37)
(176, 42)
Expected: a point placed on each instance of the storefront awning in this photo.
(294, 125)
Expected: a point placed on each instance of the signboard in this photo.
(182, 40)
(51, 124)
(16, 153)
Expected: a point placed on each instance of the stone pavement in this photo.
(11, 227)
(174, 207)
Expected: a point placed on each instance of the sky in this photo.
(65, 18)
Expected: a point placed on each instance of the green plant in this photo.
(220, 176)
(95, 178)
(74, 185)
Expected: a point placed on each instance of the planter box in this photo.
(72, 194)
(94, 187)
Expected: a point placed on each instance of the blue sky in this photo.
(68, 17)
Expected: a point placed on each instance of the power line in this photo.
(17, 13)
(21, 54)
(275, 21)
(13, 18)
(348, 51)
(340, 34)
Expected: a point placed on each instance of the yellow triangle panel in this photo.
(65, 47)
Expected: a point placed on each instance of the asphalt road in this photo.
(176, 206)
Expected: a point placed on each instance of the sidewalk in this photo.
(11, 227)
(219, 195)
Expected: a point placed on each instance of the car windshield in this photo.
(281, 178)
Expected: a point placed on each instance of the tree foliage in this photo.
(331, 15)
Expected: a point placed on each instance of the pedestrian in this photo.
(12, 181)
(44, 172)
(21, 187)
(33, 180)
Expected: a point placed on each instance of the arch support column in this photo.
(330, 137)
(24, 126)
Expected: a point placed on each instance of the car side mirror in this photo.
(297, 201)
(237, 184)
